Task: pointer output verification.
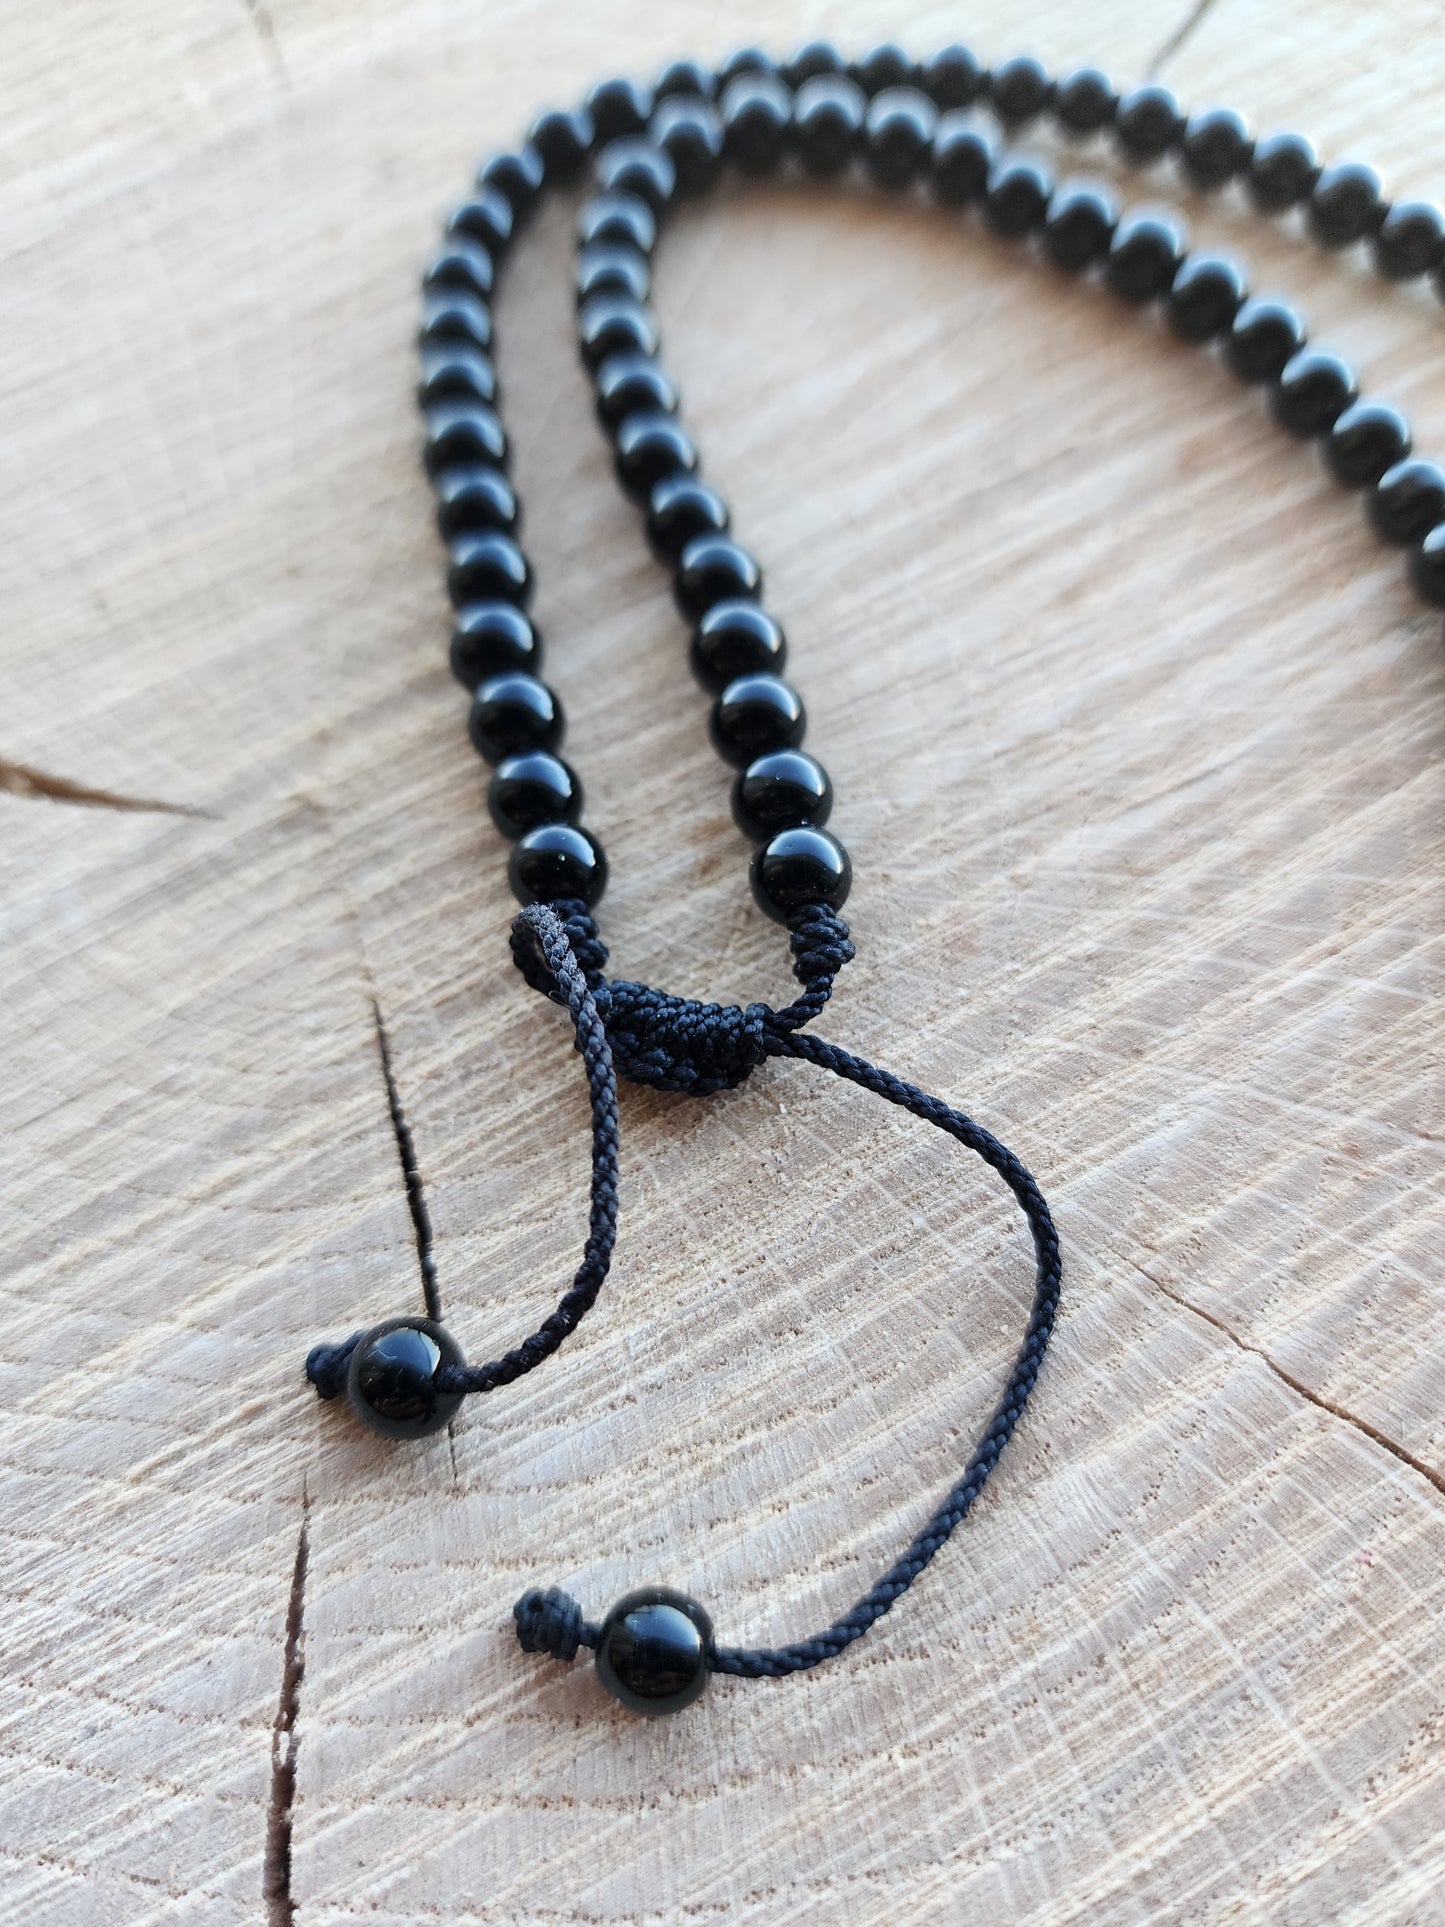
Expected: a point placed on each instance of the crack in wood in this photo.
(1184, 32)
(285, 1743)
(21, 779)
(411, 1173)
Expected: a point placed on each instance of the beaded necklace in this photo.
(905, 123)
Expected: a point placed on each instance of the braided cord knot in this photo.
(550, 1621)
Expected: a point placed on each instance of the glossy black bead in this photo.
(459, 432)
(475, 496)
(617, 217)
(799, 867)
(454, 372)
(652, 1651)
(487, 566)
(391, 1378)
(455, 318)
(781, 791)
(684, 77)
(1282, 172)
(634, 166)
(756, 112)
(611, 267)
(1427, 566)
(514, 712)
(1266, 333)
(462, 264)
(651, 445)
(747, 60)
(690, 132)
(1410, 241)
(735, 639)
(963, 155)
(951, 78)
(557, 860)
(814, 58)
(629, 384)
(491, 638)
(1313, 391)
(614, 324)
(1215, 146)
(1020, 89)
(563, 137)
(829, 114)
(518, 177)
(1084, 101)
(1369, 438)
(486, 218)
(1148, 122)
(898, 132)
(1207, 294)
(533, 788)
(1408, 501)
(1016, 198)
(1145, 256)
(1346, 204)
(755, 715)
(619, 107)
(714, 568)
(1079, 225)
(679, 509)
(881, 67)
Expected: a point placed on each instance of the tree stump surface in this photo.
(1137, 737)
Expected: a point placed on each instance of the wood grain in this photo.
(1138, 742)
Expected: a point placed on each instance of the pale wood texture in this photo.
(1138, 743)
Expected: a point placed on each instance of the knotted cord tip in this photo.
(326, 1366)
(551, 1621)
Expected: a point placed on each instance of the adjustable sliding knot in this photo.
(551, 1621)
(327, 1365)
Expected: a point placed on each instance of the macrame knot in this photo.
(551, 1622)
(326, 1366)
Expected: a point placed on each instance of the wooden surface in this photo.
(1138, 745)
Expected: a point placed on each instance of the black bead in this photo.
(714, 568)
(756, 111)
(514, 712)
(1215, 146)
(951, 78)
(754, 715)
(462, 431)
(1084, 101)
(1314, 390)
(617, 217)
(530, 789)
(898, 131)
(746, 60)
(391, 1378)
(781, 791)
(815, 58)
(557, 860)
(614, 324)
(487, 566)
(1020, 89)
(651, 445)
(1265, 334)
(518, 177)
(1410, 241)
(453, 372)
(679, 509)
(652, 1651)
(1282, 172)
(797, 868)
(1427, 566)
(634, 166)
(1145, 256)
(1079, 225)
(1366, 440)
(1148, 122)
(689, 131)
(1016, 199)
(735, 639)
(629, 383)
(685, 77)
(1408, 501)
(963, 155)
(491, 638)
(619, 107)
(462, 264)
(563, 137)
(1345, 205)
(453, 318)
(475, 496)
(1207, 294)
(488, 218)
(828, 120)
(611, 267)
(881, 67)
